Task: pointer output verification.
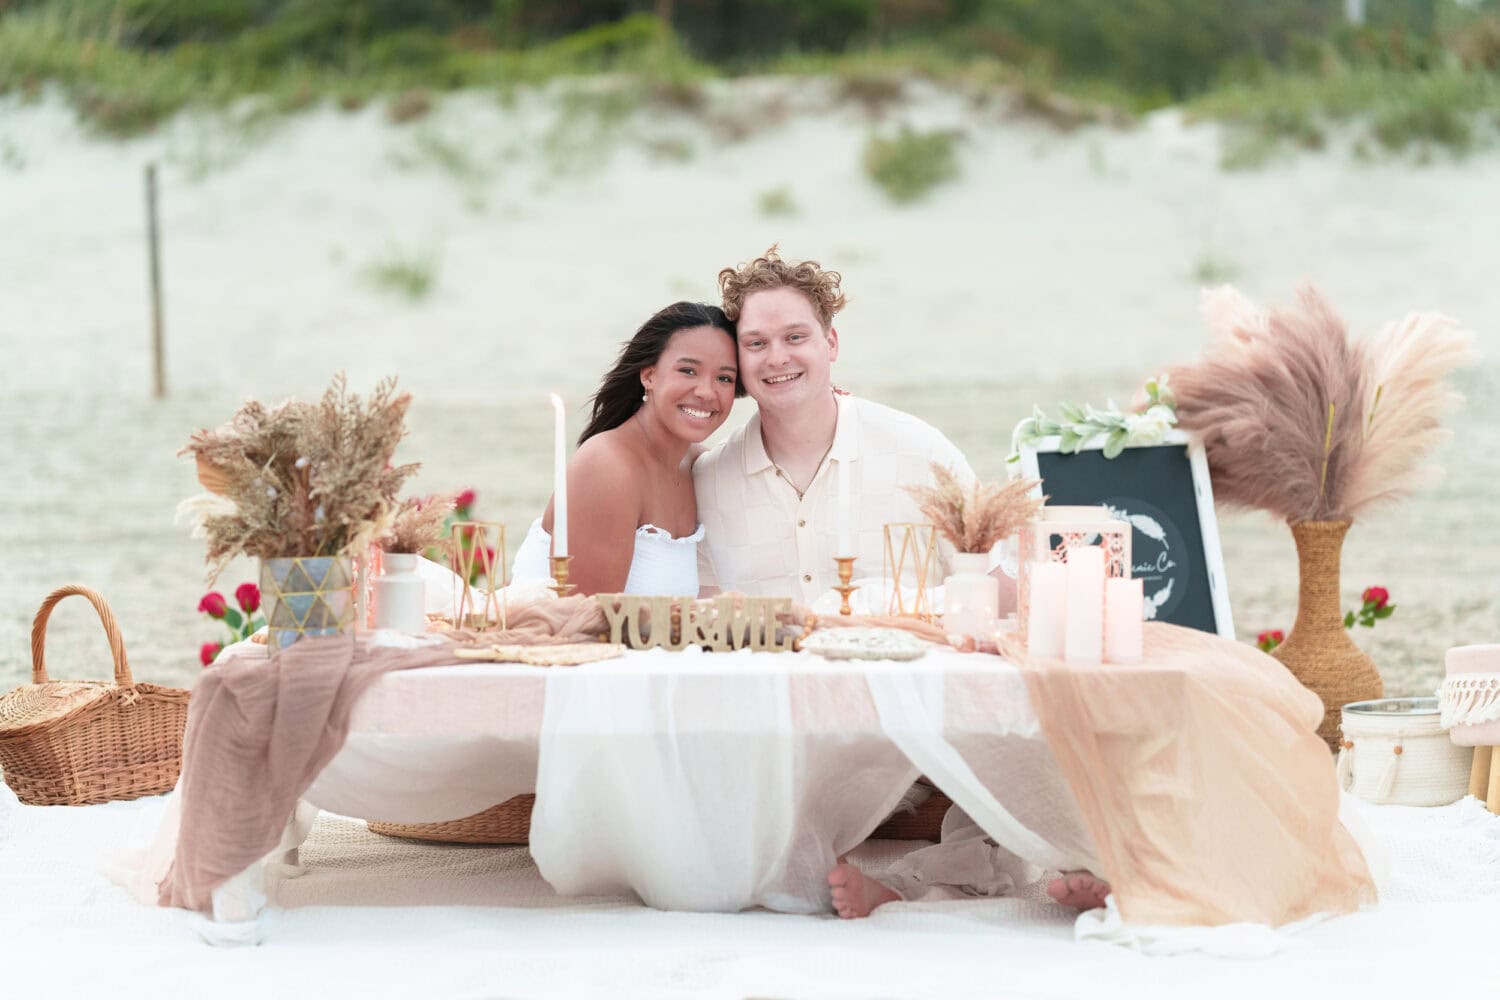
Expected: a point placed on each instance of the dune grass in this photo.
(1395, 111)
(122, 86)
(122, 91)
(408, 273)
(908, 165)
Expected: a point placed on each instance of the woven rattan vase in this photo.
(1319, 652)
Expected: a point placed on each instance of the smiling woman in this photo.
(632, 513)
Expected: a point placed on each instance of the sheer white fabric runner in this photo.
(706, 782)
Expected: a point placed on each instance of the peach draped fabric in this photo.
(1208, 794)
(260, 729)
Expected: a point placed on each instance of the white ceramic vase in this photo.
(971, 597)
(400, 594)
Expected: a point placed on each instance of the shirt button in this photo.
(807, 578)
(802, 523)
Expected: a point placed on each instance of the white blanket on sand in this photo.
(391, 918)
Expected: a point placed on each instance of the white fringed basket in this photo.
(1396, 752)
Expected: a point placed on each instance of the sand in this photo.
(1060, 266)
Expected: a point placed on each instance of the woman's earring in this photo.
(646, 396)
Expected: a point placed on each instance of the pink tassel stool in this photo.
(1470, 703)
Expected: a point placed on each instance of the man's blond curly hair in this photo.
(770, 271)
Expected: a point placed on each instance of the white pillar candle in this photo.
(1124, 607)
(1083, 636)
(560, 479)
(846, 517)
(1045, 608)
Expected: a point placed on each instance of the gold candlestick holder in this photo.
(846, 573)
(560, 585)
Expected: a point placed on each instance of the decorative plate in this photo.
(859, 643)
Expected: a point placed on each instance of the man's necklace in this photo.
(790, 482)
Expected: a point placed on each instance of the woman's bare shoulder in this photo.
(607, 459)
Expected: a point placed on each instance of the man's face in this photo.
(786, 356)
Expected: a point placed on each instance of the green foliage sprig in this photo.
(1080, 425)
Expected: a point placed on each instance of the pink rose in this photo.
(213, 604)
(208, 651)
(1377, 596)
(464, 500)
(248, 594)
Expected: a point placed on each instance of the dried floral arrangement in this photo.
(974, 518)
(420, 524)
(303, 479)
(1299, 420)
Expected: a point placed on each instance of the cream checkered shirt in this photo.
(762, 540)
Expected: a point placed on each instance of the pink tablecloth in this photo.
(1194, 781)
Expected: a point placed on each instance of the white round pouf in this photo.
(1396, 752)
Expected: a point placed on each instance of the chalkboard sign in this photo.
(1163, 492)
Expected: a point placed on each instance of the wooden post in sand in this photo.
(153, 247)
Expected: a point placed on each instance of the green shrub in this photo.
(778, 202)
(912, 163)
(411, 274)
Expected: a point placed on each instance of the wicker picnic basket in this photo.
(510, 823)
(81, 742)
(507, 823)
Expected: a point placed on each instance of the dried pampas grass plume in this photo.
(1408, 363)
(418, 524)
(974, 519)
(1299, 421)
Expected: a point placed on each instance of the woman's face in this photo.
(692, 383)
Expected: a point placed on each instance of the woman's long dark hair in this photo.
(619, 394)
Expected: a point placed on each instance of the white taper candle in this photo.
(846, 515)
(560, 479)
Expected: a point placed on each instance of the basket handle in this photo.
(111, 631)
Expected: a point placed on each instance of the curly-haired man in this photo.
(768, 495)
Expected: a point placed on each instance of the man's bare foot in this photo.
(1080, 890)
(855, 895)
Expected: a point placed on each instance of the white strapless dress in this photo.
(661, 564)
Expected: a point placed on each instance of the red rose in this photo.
(208, 651)
(1377, 596)
(1278, 635)
(213, 604)
(248, 594)
(464, 500)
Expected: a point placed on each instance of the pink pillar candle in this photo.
(1124, 607)
(1083, 635)
(1045, 609)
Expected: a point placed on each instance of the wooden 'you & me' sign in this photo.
(720, 624)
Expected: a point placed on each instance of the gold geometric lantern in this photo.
(909, 564)
(478, 554)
